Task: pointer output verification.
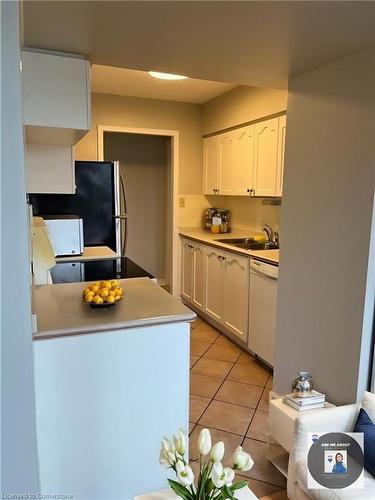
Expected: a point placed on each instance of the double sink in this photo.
(249, 244)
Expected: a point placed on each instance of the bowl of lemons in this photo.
(103, 293)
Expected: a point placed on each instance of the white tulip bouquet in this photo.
(215, 482)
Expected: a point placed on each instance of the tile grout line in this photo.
(212, 398)
(256, 409)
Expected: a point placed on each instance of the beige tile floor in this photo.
(229, 395)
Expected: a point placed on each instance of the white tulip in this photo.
(204, 442)
(166, 445)
(221, 476)
(167, 459)
(217, 452)
(185, 475)
(242, 460)
(179, 441)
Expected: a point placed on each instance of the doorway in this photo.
(147, 164)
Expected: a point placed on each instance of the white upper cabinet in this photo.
(226, 178)
(265, 164)
(243, 160)
(247, 161)
(280, 155)
(56, 98)
(211, 165)
(49, 169)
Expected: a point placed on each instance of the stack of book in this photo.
(312, 401)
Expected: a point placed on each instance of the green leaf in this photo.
(238, 485)
(180, 490)
(228, 493)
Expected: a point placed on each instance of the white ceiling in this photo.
(260, 43)
(130, 82)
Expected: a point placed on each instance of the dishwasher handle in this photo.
(264, 269)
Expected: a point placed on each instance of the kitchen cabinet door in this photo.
(56, 98)
(226, 167)
(210, 165)
(187, 269)
(280, 155)
(265, 164)
(49, 169)
(236, 290)
(214, 283)
(198, 276)
(243, 160)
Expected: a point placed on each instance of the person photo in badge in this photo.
(339, 467)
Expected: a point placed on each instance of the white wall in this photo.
(18, 452)
(326, 222)
(143, 165)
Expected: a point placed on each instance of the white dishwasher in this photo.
(262, 309)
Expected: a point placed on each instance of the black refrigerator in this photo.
(96, 200)
(99, 197)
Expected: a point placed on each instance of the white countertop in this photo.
(90, 253)
(199, 234)
(61, 311)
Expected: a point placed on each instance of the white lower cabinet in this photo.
(214, 283)
(217, 282)
(198, 276)
(192, 286)
(227, 289)
(187, 267)
(236, 293)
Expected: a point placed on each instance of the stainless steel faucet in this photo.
(270, 232)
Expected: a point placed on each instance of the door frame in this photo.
(174, 252)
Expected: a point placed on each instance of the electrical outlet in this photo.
(181, 202)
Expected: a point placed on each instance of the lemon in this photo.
(103, 292)
(111, 293)
(89, 298)
(117, 297)
(98, 299)
(95, 288)
(110, 299)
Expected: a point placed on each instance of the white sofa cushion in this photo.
(368, 404)
(340, 494)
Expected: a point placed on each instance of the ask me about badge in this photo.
(335, 460)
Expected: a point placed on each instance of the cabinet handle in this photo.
(217, 191)
(253, 191)
(248, 190)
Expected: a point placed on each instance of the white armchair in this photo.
(336, 419)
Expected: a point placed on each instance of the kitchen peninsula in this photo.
(109, 383)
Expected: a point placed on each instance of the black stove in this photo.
(96, 270)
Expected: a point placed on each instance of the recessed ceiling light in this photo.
(166, 76)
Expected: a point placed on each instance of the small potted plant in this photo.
(215, 482)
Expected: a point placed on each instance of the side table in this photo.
(281, 419)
